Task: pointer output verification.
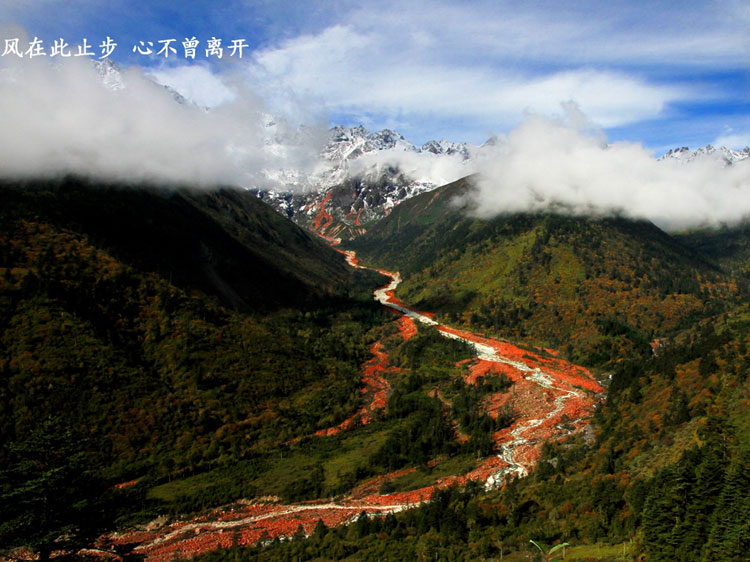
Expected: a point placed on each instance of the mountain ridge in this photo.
(608, 282)
(224, 242)
(354, 199)
(360, 193)
(684, 154)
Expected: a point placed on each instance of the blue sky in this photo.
(663, 74)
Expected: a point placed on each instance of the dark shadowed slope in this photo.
(223, 242)
(152, 334)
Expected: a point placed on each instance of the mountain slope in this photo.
(225, 242)
(728, 245)
(122, 390)
(152, 334)
(361, 176)
(598, 288)
(145, 284)
(663, 477)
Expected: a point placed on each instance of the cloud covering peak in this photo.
(555, 164)
(59, 117)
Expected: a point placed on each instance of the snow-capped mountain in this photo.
(446, 147)
(346, 144)
(729, 156)
(109, 73)
(361, 176)
(352, 174)
(112, 79)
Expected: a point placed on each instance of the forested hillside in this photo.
(167, 352)
(666, 477)
(728, 245)
(598, 289)
(223, 242)
(664, 474)
(159, 333)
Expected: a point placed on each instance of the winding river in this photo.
(550, 397)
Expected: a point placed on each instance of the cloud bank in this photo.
(421, 167)
(363, 74)
(552, 164)
(60, 118)
(670, 74)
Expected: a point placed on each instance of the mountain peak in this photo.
(110, 74)
(729, 156)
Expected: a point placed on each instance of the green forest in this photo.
(190, 343)
(116, 360)
(665, 479)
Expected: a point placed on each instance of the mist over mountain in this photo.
(553, 165)
(362, 176)
(721, 153)
(563, 165)
(72, 116)
(108, 123)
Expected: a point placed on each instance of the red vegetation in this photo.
(656, 345)
(483, 367)
(128, 484)
(242, 524)
(322, 220)
(550, 399)
(374, 386)
(559, 369)
(395, 301)
(351, 258)
(407, 328)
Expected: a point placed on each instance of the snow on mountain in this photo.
(112, 79)
(446, 147)
(729, 156)
(361, 176)
(350, 143)
(109, 73)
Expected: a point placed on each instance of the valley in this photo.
(363, 281)
(230, 381)
(551, 398)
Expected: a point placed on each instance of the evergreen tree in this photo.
(730, 530)
(48, 497)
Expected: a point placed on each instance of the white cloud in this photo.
(365, 73)
(447, 68)
(546, 164)
(195, 82)
(694, 34)
(424, 167)
(59, 118)
(735, 140)
(424, 68)
(465, 68)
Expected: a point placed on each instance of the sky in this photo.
(579, 97)
(662, 74)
